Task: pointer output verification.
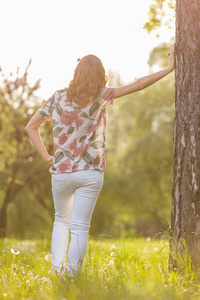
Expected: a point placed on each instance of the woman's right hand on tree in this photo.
(172, 58)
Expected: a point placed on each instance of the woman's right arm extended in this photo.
(148, 80)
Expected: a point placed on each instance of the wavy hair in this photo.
(89, 78)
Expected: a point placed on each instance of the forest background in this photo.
(136, 196)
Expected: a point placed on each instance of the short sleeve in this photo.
(47, 108)
(107, 96)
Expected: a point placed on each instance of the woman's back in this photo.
(78, 131)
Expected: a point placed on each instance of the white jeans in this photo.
(75, 195)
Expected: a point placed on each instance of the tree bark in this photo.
(185, 216)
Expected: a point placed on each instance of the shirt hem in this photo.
(70, 171)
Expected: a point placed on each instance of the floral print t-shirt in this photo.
(79, 133)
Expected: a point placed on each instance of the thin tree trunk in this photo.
(11, 194)
(185, 218)
(3, 221)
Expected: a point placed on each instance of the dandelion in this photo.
(148, 239)
(112, 254)
(27, 281)
(155, 249)
(13, 251)
(112, 262)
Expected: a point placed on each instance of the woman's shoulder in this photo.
(62, 91)
(60, 94)
(106, 90)
(107, 95)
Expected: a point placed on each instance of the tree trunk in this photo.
(185, 218)
(3, 220)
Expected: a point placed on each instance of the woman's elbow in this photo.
(27, 128)
(140, 85)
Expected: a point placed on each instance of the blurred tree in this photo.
(17, 104)
(158, 55)
(161, 13)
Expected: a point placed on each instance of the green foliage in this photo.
(113, 269)
(20, 178)
(161, 13)
(158, 55)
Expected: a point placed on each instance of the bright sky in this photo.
(54, 33)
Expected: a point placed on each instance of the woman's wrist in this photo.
(170, 68)
(49, 159)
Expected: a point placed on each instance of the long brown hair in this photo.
(89, 79)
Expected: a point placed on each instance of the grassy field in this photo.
(113, 269)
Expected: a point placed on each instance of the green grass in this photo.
(113, 269)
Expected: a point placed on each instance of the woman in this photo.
(78, 165)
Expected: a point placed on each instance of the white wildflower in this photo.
(148, 239)
(111, 262)
(112, 254)
(13, 251)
